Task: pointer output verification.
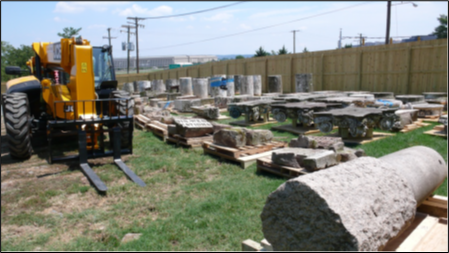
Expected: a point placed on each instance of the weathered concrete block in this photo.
(275, 84)
(159, 86)
(311, 159)
(257, 80)
(258, 136)
(247, 85)
(230, 85)
(238, 80)
(324, 142)
(303, 82)
(185, 105)
(193, 127)
(218, 127)
(200, 89)
(185, 86)
(234, 137)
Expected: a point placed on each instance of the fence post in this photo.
(292, 76)
(360, 70)
(409, 66)
(322, 72)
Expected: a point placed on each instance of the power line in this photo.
(195, 12)
(257, 29)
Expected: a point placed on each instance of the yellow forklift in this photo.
(72, 91)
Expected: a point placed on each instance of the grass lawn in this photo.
(192, 201)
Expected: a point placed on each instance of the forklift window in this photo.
(102, 66)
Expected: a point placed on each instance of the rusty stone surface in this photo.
(258, 136)
(234, 137)
(323, 142)
(193, 127)
(311, 159)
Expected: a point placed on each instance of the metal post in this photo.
(109, 36)
(387, 36)
(127, 47)
(137, 45)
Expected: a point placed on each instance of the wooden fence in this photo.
(405, 68)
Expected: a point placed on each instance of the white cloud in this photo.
(135, 10)
(277, 13)
(77, 7)
(223, 16)
(58, 19)
(245, 27)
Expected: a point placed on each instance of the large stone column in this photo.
(238, 79)
(159, 86)
(257, 85)
(230, 85)
(303, 82)
(358, 205)
(275, 84)
(200, 87)
(247, 87)
(185, 86)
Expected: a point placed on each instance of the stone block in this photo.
(234, 137)
(258, 136)
(172, 130)
(185, 105)
(323, 142)
(218, 127)
(311, 159)
(207, 101)
(193, 127)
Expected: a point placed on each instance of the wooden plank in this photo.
(434, 240)
(418, 234)
(261, 123)
(297, 130)
(436, 133)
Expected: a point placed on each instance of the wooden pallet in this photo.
(252, 124)
(297, 130)
(376, 136)
(428, 231)
(246, 150)
(191, 142)
(265, 164)
(430, 118)
(413, 126)
(140, 121)
(437, 131)
(158, 131)
(246, 156)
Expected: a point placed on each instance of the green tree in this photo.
(11, 56)
(441, 30)
(261, 52)
(305, 50)
(69, 32)
(283, 50)
(239, 57)
(272, 52)
(348, 45)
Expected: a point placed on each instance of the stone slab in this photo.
(352, 112)
(253, 124)
(193, 127)
(296, 130)
(311, 159)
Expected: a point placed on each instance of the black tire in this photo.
(17, 123)
(122, 107)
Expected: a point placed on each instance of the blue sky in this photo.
(27, 22)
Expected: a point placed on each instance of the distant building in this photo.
(411, 39)
(162, 61)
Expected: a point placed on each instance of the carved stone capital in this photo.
(279, 115)
(324, 123)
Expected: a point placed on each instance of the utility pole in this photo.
(109, 36)
(129, 27)
(339, 42)
(360, 40)
(294, 39)
(136, 25)
(387, 37)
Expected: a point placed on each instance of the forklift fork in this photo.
(90, 174)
